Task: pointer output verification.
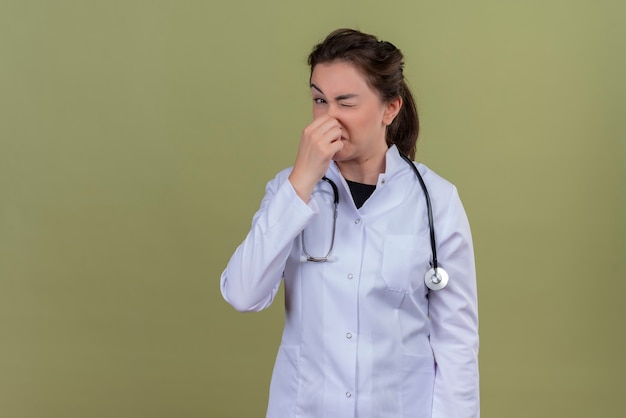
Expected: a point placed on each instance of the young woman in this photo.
(368, 332)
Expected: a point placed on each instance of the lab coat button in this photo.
(348, 335)
(350, 276)
(348, 395)
(356, 221)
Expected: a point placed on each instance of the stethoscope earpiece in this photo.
(436, 279)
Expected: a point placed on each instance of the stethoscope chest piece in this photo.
(436, 279)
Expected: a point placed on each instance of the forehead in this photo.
(338, 77)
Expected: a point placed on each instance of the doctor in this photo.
(364, 337)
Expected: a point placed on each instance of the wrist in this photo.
(303, 185)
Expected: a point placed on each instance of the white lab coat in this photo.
(363, 335)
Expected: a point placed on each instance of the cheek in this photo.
(375, 119)
(366, 121)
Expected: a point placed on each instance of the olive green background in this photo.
(136, 138)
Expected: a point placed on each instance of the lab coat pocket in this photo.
(405, 260)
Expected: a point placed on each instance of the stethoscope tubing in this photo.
(309, 257)
(435, 278)
(429, 209)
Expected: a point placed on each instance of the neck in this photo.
(365, 170)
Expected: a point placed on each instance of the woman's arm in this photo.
(253, 274)
(454, 319)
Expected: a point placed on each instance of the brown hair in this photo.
(382, 65)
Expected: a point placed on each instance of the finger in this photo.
(330, 130)
(321, 124)
(335, 147)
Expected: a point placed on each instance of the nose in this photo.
(333, 111)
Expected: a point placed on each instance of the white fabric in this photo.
(363, 336)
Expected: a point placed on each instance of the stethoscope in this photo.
(435, 279)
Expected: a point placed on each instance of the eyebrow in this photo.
(338, 98)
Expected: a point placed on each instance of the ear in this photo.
(392, 108)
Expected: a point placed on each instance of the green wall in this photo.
(136, 138)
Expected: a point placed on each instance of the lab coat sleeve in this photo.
(253, 274)
(454, 319)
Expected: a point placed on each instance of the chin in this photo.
(341, 156)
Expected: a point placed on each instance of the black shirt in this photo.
(360, 192)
